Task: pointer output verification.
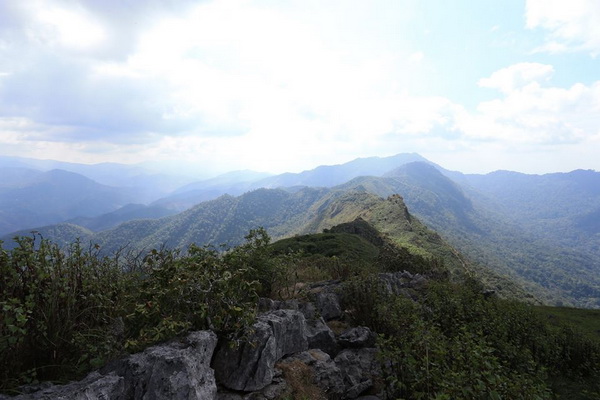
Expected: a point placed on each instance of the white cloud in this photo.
(573, 25)
(239, 84)
(516, 76)
(416, 57)
(72, 28)
(531, 113)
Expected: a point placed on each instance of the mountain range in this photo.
(540, 231)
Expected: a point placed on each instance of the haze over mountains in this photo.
(542, 231)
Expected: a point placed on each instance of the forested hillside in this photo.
(539, 231)
(562, 208)
(553, 273)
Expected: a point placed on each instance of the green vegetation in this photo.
(58, 311)
(508, 239)
(455, 342)
(585, 320)
(341, 245)
(516, 239)
(65, 312)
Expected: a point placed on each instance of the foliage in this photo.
(66, 311)
(59, 310)
(457, 343)
(200, 290)
(341, 245)
(586, 320)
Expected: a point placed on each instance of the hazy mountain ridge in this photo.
(322, 176)
(55, 196)
(492, 218)
(149, 184)
(126, 213)
(562, 208)
(473, 226)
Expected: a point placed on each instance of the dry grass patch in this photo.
(299, 378)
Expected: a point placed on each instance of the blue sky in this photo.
(279, 86)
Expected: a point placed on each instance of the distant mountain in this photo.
(126, 213)
(539, 230)
(323, 176)
(55, 196)
(562, 208)
(221, 221)
(332, 175)
(62, 234)
(230, 179)
(475, 225)
(15, 177)
(232, 183)
(149, 185)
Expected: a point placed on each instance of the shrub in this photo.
(59, 309)
(64, 312)
(200, 290)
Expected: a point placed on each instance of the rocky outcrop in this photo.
(250, 366)
(328, 305)
(398, 283)
(343, 366)
(176, 370)
(320, 336)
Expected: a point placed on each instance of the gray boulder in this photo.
(250, 366)
(289, 330)
(273, 391)
(175, 370)
(328, 305)
(320, 336)
(358, 366)
(358, 337)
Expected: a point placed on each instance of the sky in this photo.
(285, 85)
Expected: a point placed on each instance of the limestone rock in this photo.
(320, 336)
(328, 305)
(358, 337)
(249, 367)
(289, 330)
(327, 376)
(358, 366)
(177, 370)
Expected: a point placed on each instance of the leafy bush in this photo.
(64, 312)
(59, 310)
(200, 290)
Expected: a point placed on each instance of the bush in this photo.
(59, 310)
(200, 290)
(64, 312)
